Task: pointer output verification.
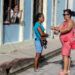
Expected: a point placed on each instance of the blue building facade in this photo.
(22, 32)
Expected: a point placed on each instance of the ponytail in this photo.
(72, 13)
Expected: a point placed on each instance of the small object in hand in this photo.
(52, 27)
(56, 32)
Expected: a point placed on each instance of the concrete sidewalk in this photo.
(51, 67)
(25, 55)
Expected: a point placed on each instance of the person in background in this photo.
(16, 15)
(7, 13)
(66, 30)
(40, 35)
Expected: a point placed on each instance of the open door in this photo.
(37, 7)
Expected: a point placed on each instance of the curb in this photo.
(24, 64)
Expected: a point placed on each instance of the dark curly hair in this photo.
(37, 17)
(71, 13)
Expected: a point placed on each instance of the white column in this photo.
(32, 10)
(53, 23)
(1, 22)
(70, 5)
(21, 33)
(45, 13)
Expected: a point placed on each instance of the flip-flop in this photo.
(69, 72)
(62, 73)
(38, 70)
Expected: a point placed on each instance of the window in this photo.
(12, 14)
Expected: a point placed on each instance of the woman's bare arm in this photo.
(68, 28)
(59, 27)
(20, 14)
(42, 33)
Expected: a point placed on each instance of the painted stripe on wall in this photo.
(0, 11)
(27, 20)
(59, 11)
(0, 17)
(74, 8)
(49, 13)
(1, 26)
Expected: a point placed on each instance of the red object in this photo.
(74, 35)
(73, 44)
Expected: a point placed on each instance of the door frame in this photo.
(32, 17)
(21, 32)
(1, 30)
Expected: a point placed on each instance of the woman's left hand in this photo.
(52, 27)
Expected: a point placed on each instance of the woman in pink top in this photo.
(66, 30)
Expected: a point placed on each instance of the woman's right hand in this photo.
(47, 35)
(43, 38)
(56, 32)
(21, 10)
(52, 27)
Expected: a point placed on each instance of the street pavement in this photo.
(29, 51)
(19, 57)
(51, 67)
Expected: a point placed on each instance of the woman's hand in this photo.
(56, 32)
(21, 10)
(47, 35)
(52, 27)
(43, 38)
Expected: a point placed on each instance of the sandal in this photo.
(68, 72)
(62, 73)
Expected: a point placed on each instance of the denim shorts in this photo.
(38, 46)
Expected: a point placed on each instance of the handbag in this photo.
(73, 42)
(44, 43)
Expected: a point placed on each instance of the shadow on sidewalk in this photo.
(43, 62)
(61, 63)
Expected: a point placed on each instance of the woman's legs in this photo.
(69, 63)
(66, 63)
(36, 61)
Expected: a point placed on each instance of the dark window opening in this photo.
(38, 8)
(11, 14)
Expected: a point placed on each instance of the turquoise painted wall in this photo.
(49, 14)
(60, 8)
(11, 33)
(27, 20)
